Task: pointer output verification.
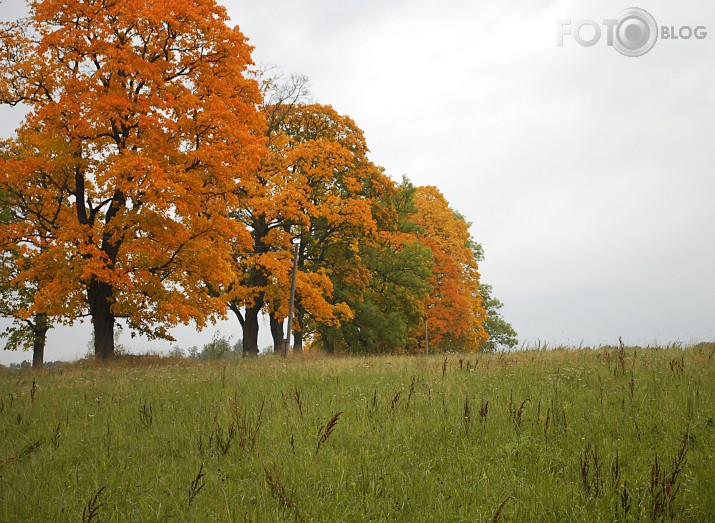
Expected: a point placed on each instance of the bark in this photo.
(277, 334)
(298, 342)
(257, 280)
(99, 296)
(298, 317)
(39, 338)
(250, 330)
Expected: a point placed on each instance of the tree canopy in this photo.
(143, 125)
(158, 179)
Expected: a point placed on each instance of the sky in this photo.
(587, 175)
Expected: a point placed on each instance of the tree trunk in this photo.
(298, 317)
(277, 334)
(99, 295)
(329, 347)
(298, 342)
(250, 331)
(39, 337)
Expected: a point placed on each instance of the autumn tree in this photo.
(144, 120)
(387, 289)
(313, 188)
(22, 202)
(455, 311)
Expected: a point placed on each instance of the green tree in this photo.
(501, 334)
(220, 348)
(385, 282)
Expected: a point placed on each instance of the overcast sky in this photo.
(587, 175)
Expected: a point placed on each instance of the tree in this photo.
(455, 311)
(501, 334)
(310, 188)
(18, 292)
(385, 282)
(220, 348)
(145, 123)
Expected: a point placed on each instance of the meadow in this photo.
(614, 434)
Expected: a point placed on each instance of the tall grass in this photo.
(619, 434)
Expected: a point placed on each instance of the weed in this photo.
(546, 424)
(664, 487)
(298, 401)
(591, 477)
(55, 438)
(197, 484)
(395, 400)
(676, 366)
(29, 449)
(325, 431)
(246, 426)
(625, 499)
(220, 440)
(499, 510)
(146, 414)
(467, 415)
(516, 414)
(483, 411)
(412, 391)
(91, 511)
(33, 390)
(558, 411)
(632, 386)
(284, 496)
(622, 356)
(616, 470)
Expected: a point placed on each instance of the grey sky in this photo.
(587, 174)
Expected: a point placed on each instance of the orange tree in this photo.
(28, 260)
(454, 309)
(143, 117)
(312, 188)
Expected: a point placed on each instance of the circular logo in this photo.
(636, 32)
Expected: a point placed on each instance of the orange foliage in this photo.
(311, 188)
(454, 309)
(143, 125)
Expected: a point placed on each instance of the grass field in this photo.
(582, 435)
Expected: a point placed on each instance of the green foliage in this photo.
(388, 312)
(220, 348)
(561, 435)
(501, 334)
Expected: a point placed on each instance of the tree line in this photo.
(161, 178)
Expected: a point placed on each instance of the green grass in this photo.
(566, 436)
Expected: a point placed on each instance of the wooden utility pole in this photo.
(286, 347)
